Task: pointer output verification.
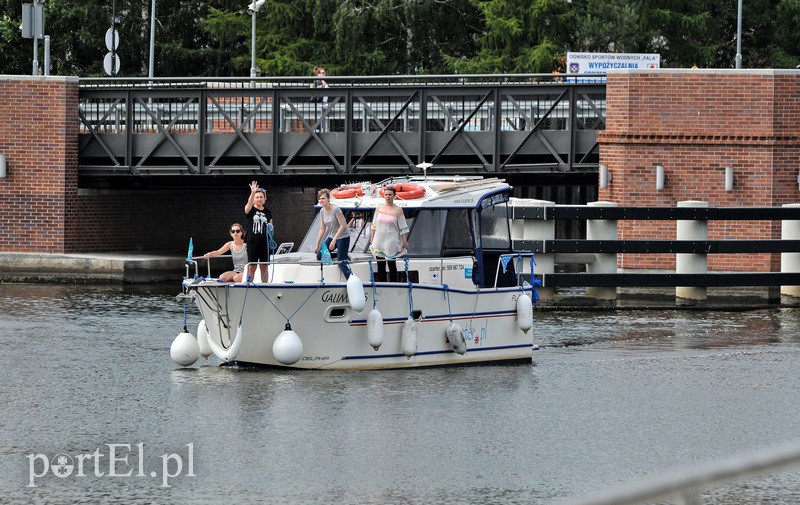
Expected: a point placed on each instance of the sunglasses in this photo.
(236, 231)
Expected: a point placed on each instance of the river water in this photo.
(611, 398)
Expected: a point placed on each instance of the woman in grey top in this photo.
(238, 250)
(333, 230)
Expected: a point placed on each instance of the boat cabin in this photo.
(448, 217)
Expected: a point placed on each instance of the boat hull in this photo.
(334, 336)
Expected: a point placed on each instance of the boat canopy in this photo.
(457, 216)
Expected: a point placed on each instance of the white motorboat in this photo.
(461, 298)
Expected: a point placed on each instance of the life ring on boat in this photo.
(407, 191)
(347, 191)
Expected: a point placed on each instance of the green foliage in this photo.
(387, 37)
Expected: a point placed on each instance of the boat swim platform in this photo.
(92, 268)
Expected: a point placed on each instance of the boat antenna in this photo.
(425, 166)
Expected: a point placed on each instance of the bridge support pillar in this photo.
(790, 262)
(691, 263)
(605, 263)
(527, 229)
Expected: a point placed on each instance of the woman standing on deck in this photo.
(389, 235)
(238, 250)
(333, 219)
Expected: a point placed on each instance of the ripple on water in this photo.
(611, 396)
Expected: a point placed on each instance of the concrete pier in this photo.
(119, 267)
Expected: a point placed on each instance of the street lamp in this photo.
(152, 39)
(739, 36)
(253, 9)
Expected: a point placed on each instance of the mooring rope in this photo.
(374, 289)
(534, 283)
(447, 294)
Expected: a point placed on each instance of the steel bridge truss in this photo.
(279, 127)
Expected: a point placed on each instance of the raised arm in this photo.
(251, 200)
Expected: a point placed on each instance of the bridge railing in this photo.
(483, 123)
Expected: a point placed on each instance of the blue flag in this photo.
(504, 262)
(325, 254)
(191, 249)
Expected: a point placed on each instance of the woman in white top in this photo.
(389, 235)
(333, 230)
(238, 250)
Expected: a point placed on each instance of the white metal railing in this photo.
(686, 484)
(358, 261)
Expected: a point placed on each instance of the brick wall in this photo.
(696, 123)
(164, 220)
(42, 209)
(39, 136)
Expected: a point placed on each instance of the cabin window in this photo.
(494, 228)
(457, 232)
(425, 239)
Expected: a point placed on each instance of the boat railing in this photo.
(357, 261)
(688, 483)
(194, 261)
(517, 268)
(267, 264)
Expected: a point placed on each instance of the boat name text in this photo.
(335, 297)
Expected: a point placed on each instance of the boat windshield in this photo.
(358, 224)
(433, 232)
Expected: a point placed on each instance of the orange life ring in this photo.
(347, 191)
(407, 191)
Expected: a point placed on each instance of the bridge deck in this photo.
(461, 124)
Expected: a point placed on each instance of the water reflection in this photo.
(610, 396)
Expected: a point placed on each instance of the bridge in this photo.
(466, 124)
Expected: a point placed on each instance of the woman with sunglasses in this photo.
(238, 250)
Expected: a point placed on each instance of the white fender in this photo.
(288, 348)
(375, 328)
(355, 293)
(184, 349)
(202, 339)
(456, 338)
(408, 341)
(230, 353)
(524, 313)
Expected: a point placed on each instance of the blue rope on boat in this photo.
(271, 245)
(447, 294)
(519, 273)
(410, 296)
(374, 289)
(534, 283)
